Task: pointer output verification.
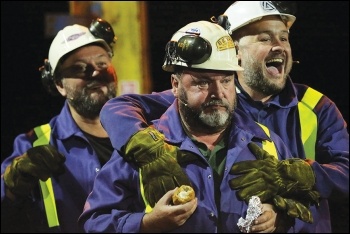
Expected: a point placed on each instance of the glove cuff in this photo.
(143, 142)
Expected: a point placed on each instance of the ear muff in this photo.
(224, 22)
(189, 49)
(47, 79)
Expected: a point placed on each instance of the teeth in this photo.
(276, 60)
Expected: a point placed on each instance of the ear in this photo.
(60, 88)
(239, 56)
(238, 52)
(174, 84)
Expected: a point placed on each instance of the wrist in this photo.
(147, 224)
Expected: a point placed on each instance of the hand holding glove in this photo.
(267, 177)
(158, 163)
(39, 162)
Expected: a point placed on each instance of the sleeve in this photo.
(123, 116)
(332, 151)
(21, 144)
(13, 215)
(114, 204)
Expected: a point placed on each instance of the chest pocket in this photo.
(43, 134)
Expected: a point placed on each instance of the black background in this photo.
(319, 38)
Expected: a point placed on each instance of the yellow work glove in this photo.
(293, 208)
(39, 162)
(267, 177)
(158, 162)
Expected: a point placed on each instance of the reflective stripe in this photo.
(268, 146)
(308, 121)
(43, 134)
(148, 206)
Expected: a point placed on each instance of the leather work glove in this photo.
(267, 177)
(158, 163)
(39, 162)
(293, 208)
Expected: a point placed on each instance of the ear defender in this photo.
(47, 78)
(190, 49)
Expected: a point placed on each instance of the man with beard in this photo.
(308, 122)
(45, 181)
(204, 135)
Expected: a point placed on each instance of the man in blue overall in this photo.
(45, 181)
(308, 122)
(195, 142)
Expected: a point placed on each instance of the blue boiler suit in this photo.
(116, 204)
(71, 188)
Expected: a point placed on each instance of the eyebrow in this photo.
(272, 32)
(204, 77)
(93, 58)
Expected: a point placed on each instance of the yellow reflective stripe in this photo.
(148, 206)
(268, 146)
(308, 121)
(49, 202)
(43, 134)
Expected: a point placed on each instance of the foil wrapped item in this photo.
(253, 212)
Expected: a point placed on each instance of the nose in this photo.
(95, 73)
(96, 69)
(278, 47)
(217, 90)
(92, 72)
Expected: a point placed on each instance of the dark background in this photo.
(319, 38)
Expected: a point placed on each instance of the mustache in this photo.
(96, 83)
(216, 103)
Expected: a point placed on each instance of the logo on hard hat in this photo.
(196, 31)
(267, 6)
(225, 43)
(75, 36)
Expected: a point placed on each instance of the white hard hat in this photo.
(203, 45)
(69, 39)
(241, 13)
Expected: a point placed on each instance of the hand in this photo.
(293, 208)
(265, 223)
(158, 163)
(165, 217)
(272, 220)
(39, 162)
(267, 177)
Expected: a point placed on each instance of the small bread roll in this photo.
(183, 194)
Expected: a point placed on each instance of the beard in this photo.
(216, 119)
(198, 119)
(87, 105)
(254, 77)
